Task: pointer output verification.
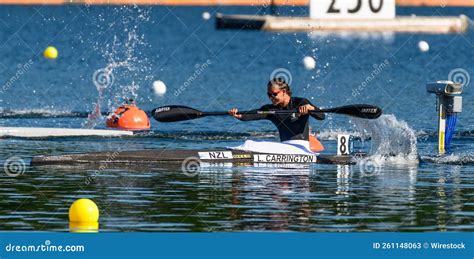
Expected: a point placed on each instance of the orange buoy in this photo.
(314, 144)
(128, 117)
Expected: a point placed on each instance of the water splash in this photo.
(465, 158)
(126, 68)
(392, 140)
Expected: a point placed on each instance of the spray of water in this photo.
(126, 67)
(392, 140)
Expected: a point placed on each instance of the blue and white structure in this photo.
(449, 104)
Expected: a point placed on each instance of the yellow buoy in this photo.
(84, 211)
(50, 52)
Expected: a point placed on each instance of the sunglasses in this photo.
(273, 95)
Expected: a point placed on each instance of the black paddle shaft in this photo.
(174, 113)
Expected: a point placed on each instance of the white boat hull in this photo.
(27, 132)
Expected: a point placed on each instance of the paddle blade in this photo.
(364, 111)
(175, 113)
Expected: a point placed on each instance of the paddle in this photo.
(173, 113)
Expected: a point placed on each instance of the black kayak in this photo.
(163, 156)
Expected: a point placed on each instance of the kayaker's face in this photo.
(276, 95)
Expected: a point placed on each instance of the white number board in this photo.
(352, 9)
(344, 144)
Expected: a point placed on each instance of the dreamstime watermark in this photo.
(21, 69)
(103, 166)
(369, 167)
(378, 68)
(14, 166)
(46, 247)
(459, 75)
(282, 73)
(103, 78)
(191, 166)
(200, 68)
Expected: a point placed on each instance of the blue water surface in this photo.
(214, 70)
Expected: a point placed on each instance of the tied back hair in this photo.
(280, 84)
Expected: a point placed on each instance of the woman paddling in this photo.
(294, 127)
